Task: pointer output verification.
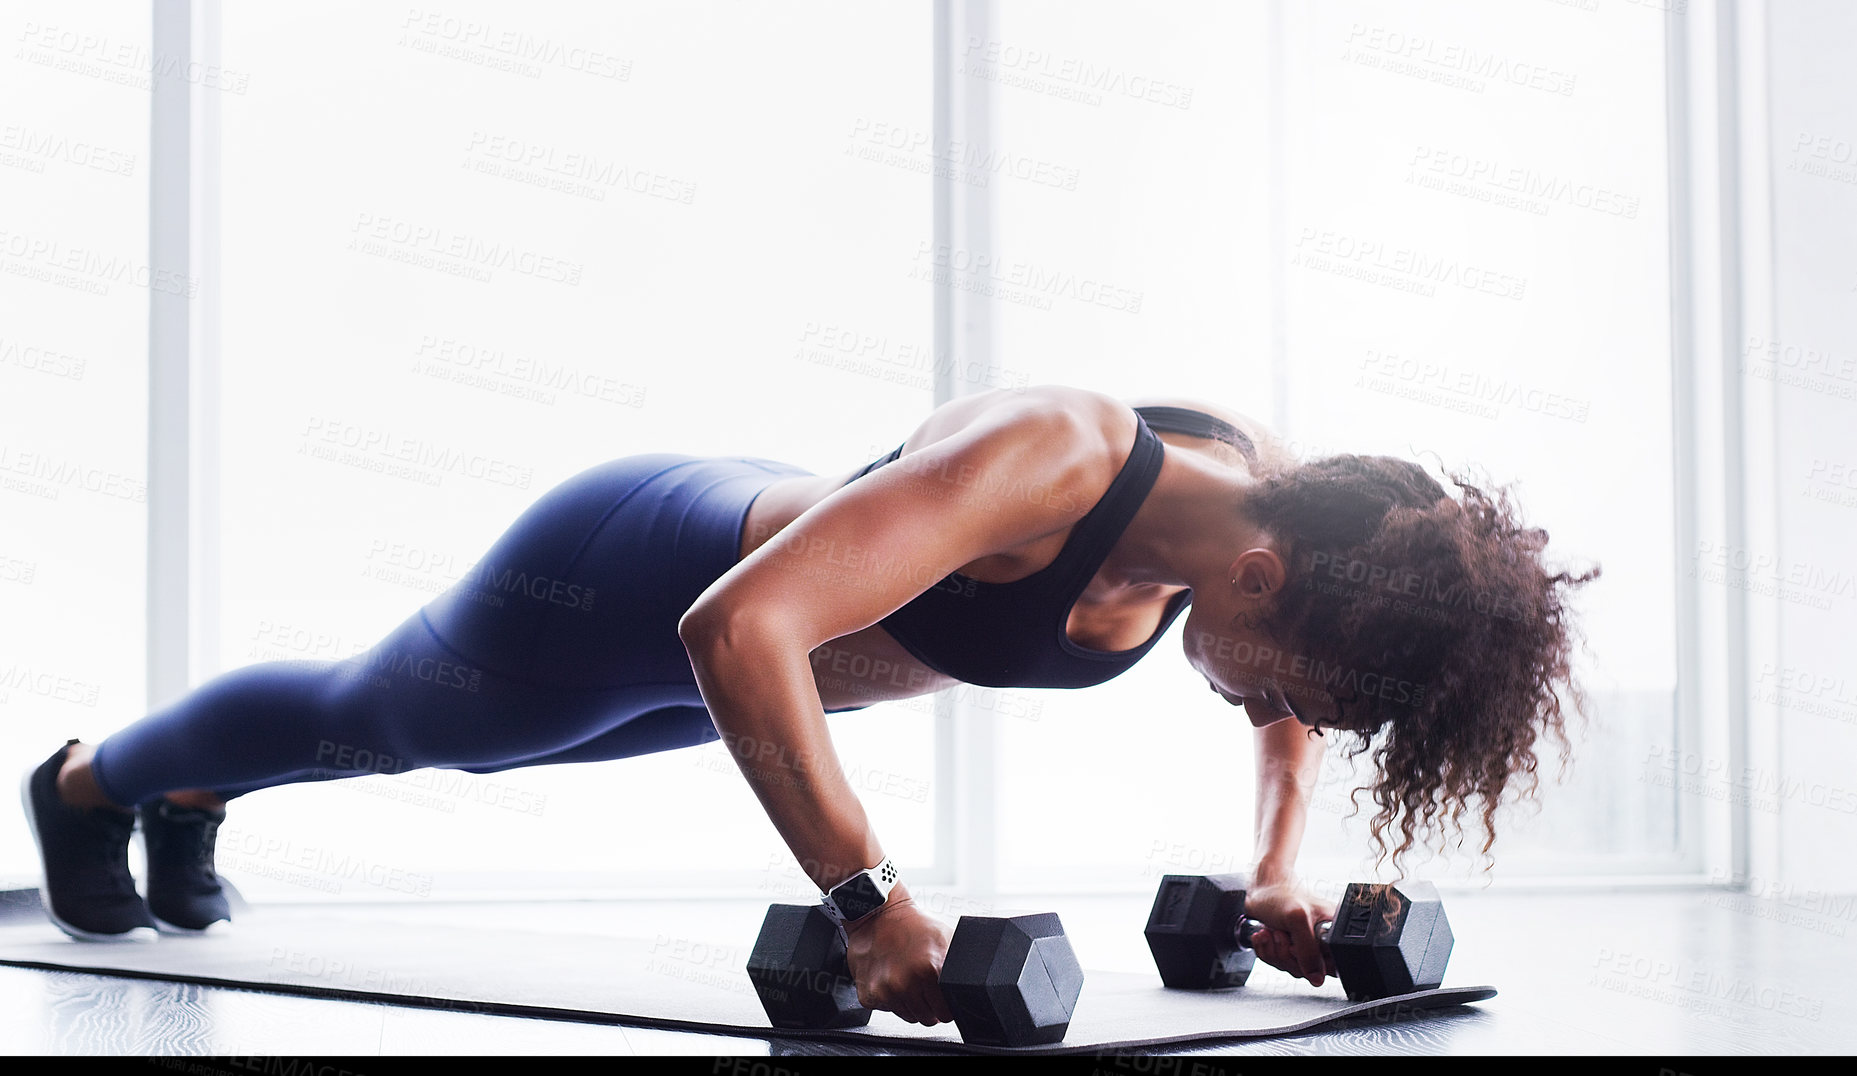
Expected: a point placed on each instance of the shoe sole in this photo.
(133, 934)
(215, 928)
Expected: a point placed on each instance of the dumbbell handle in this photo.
(1247, 927)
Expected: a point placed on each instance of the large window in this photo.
(75, 282)
(528, 240)
(466, 252)
(1476, 266)
(1433, 231)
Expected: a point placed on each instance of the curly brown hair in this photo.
(1392, 580)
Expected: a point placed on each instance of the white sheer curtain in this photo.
(533, 239)
(1464, 249)
(74, 292)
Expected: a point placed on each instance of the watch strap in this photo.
(861, 894)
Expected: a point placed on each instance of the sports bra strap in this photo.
(1198, 424)
(1097, 532)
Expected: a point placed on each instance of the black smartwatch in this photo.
(861, 894)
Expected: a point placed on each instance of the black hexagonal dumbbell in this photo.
(1009, 981)
(798, 970)
(1386, 939)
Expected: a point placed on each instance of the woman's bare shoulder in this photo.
(1037, 410)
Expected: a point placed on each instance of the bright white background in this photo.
(721, 195)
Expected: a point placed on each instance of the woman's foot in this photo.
(183, 891)
(84, 854)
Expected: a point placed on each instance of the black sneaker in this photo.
(183, 892)
(84, 853)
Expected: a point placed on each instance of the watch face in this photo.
(857, 898)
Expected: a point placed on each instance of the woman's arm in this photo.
(1289, 760)
(758, 687)
(843, 565)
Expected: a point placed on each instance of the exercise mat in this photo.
(672, 983)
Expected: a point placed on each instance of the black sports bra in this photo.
(1014, 634)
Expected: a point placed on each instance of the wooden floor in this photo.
(1649, 973)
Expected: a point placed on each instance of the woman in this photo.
(1039, 538)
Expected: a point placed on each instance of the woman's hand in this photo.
(895, 955)
(1288, 941)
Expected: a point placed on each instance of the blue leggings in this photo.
(560, 645)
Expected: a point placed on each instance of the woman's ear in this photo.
(1258, 573)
